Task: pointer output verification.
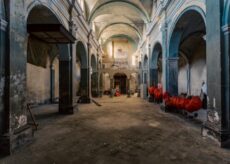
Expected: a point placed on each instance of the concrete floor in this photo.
(121, 131)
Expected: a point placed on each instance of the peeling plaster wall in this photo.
(38, 83)
(198, 70)
(17, 64)
(160, 77)
(182, 76)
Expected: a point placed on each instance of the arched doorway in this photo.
(94, 78)
(156, 65)
(49, 60)
(186, 67)
(82, 74)
(120, 82)
(145, 78)
(42, 61)
(145, 70)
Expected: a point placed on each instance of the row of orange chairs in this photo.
(156, 93)
(191, 104)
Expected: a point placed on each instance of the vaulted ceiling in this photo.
(110, 18)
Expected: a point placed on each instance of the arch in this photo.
(81, 61)
(81, 54)
(145, 16)
(45, 5)
(187, 44)
(118, 23)
(42, 62)
(120, 82)
(156, 52)
(94, 76)
(156, 65)
(120, 29)
(177, 32)
(119, 72)
(193, 8)
(123, 35)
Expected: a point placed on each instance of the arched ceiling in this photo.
(118, 17)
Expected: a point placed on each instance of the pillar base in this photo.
(68, 110)
(214, 132)
(84, 100)
(95, 94)
(9, 143)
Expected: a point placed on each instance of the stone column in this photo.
(94, 84)
(16, 132)
(217, 41)
(52, 83)
(172, 76)
(225, 113)
(165, 48)
(65, 80)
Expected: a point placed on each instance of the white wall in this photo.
(198, 70)
(38, 82)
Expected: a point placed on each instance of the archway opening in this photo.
(156, 65)
(94, 77)
(120, 82)
(186, 68)
(145, 77)
(81, 64)
(42, 61)
(49, 65)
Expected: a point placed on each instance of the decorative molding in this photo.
(226, 28)
(164, 3)
(3, 24)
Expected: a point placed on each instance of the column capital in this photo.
(3, 24)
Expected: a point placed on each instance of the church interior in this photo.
(114, 81)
